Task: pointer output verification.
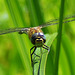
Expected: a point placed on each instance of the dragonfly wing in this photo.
(56, 21)
(20, 30)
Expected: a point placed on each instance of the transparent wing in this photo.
(25, 30)
(19, 30)
(56, 21)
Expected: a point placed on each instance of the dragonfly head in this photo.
(38, 39)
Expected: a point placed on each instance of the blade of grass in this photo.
(20, 12)
(50, 39)
(32, 13)
(69, 53)
(22, 52)
(64, 68)
(38, 11)
(59, 38)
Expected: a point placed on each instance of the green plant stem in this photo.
(59, 38)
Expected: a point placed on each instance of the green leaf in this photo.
(49, 41)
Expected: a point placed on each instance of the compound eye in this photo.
(43, 37)
(33, 38)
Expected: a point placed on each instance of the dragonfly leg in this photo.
(46, 47)
(32, 53)
(36, 55)
(34, 50)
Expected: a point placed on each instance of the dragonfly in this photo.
(35, 34)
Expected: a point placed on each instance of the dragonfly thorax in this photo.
(38, 39)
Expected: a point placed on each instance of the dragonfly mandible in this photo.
(35, 34)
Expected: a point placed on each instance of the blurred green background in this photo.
(15, 48)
